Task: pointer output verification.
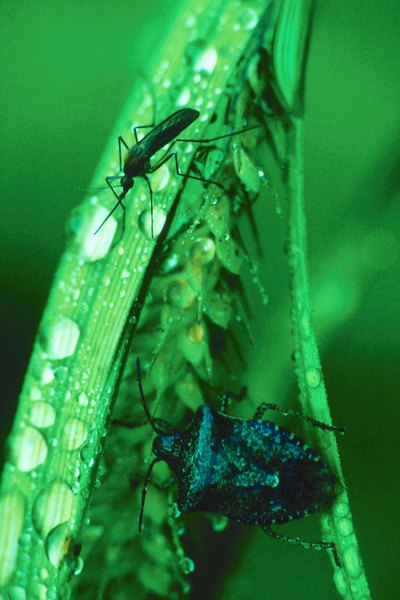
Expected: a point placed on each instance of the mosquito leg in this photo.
(219, 137)
(109, 179)
(140, 127)
(121, 141)
(185, 175)
(151, 203)
(119, 203)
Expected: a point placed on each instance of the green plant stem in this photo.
(337, 523)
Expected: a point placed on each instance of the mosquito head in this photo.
(127, 183)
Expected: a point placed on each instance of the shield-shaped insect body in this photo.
(252, 471)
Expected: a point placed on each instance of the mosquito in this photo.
(137, 162)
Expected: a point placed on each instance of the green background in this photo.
(67, 69)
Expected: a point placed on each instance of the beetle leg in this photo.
(144, 492)
(294, 413)
(295, 540)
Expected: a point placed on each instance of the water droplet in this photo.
(326, 524)
(202, 56)
(12, 512)
(341, 509)
(313, 377)
(52, 593)
(160, 178)
(352, 561)
(175, 512)
(305, 325)
(57, 544)
(36, 393)
(59, 337)
(54, 505)
(196, 333)
(190, 21)
(16, 593)
(245, 169)
(39, 591)
(83, 223)
(61, 373)
(74, 433)
(248, 19)
(345, 526)
(186, 565)
(213, 162)
(169, 264)
(42, 414)
(77, 565)
(340, 582)
(179, 293)
(273, 480)
(184, 97)
(202, 251)
(29, 449)
(159, 218)
(219, 522)
(83, 400)
(47, 375)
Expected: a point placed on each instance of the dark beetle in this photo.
(250, 470)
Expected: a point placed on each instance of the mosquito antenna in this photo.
(144, 492)
(86, 189)
(146, 408)
(119, 203)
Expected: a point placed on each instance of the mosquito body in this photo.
(137, 162)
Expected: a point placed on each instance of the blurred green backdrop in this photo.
(66, 71)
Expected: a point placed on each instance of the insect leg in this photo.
(294, 413)
(296, 540)
(226, 397)
(119, 203)
(153, 422)
(185, 175)
(144, 492)
(141, 127)
(151, 202)
(121, 141)
(220, 137)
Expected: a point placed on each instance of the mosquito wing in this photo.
(167, 130)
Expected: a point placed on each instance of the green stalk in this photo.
(337, 523)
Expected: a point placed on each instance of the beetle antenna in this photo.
(144, 492)
(150, 419)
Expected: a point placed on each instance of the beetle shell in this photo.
(252, 471)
